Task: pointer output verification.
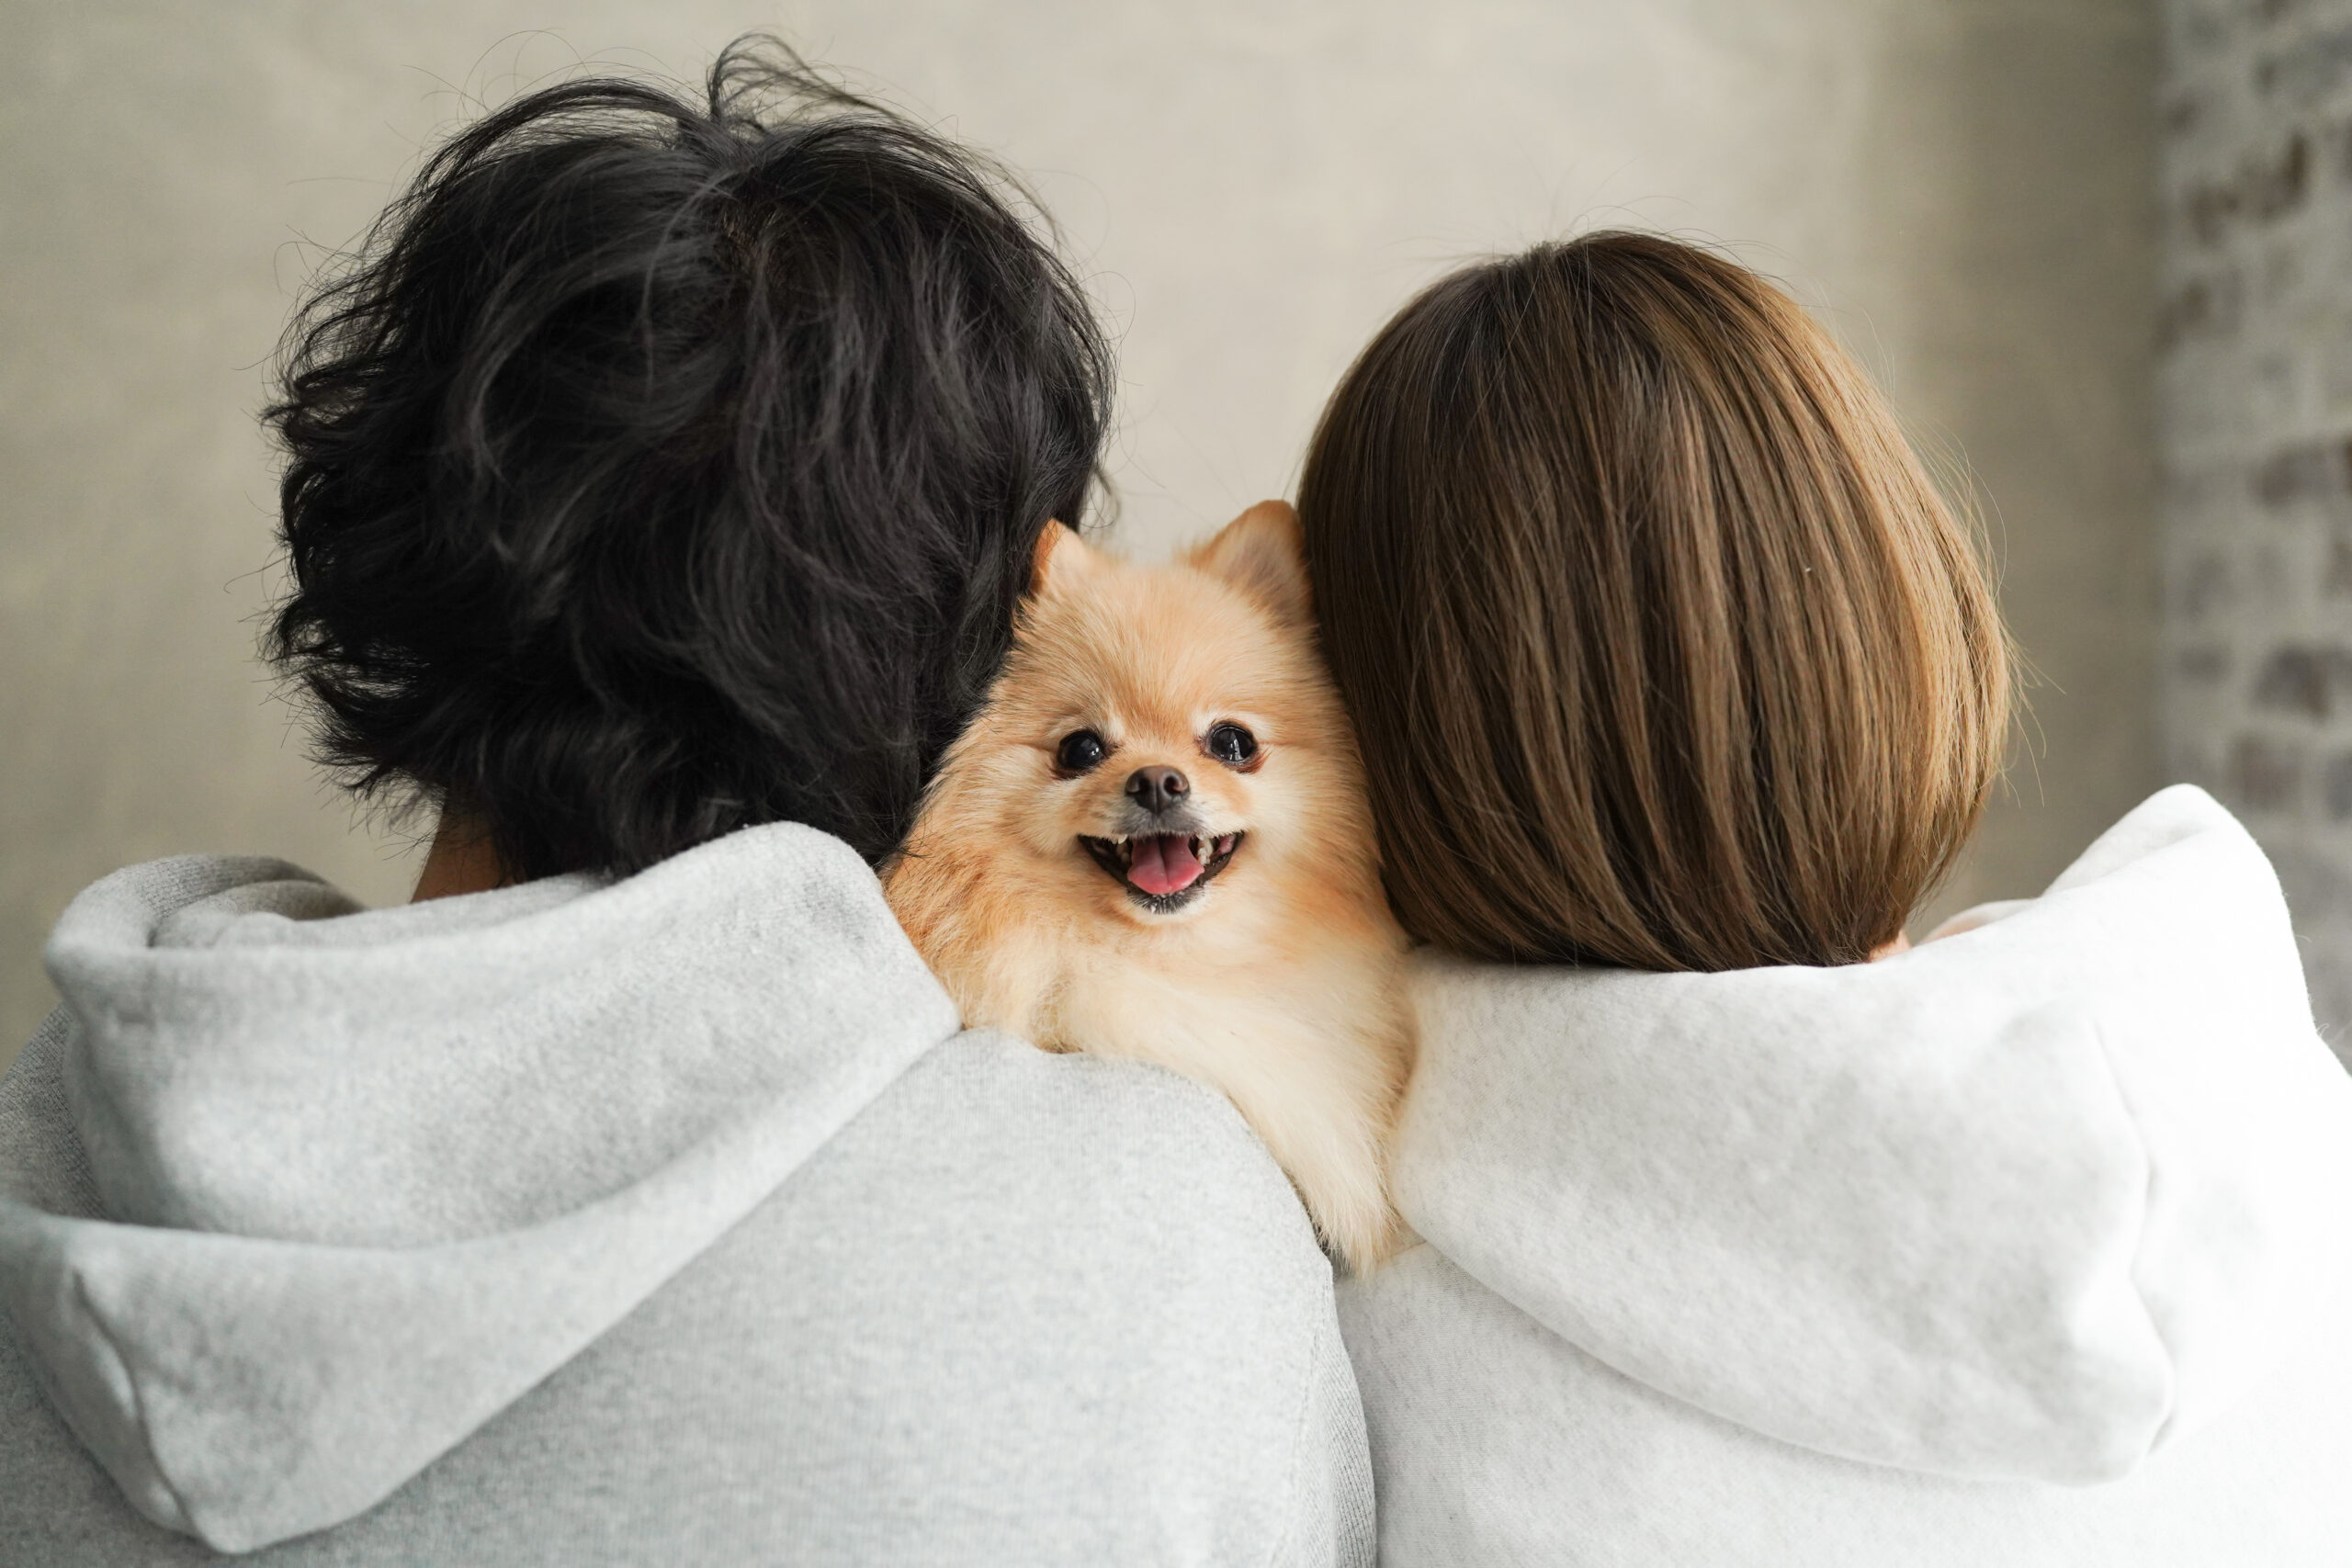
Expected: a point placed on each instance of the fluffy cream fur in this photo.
(1277, 983)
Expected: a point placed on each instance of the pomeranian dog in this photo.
(1154, 843)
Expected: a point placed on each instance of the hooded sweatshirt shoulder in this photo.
(2045, 1203)
(599, 1222)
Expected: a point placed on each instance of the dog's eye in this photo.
(1081, 750)
(1231, 744)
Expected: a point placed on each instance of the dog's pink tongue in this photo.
(1163, 863)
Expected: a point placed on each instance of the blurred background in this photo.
(2092, 247)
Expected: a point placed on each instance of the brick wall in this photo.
(2254, 355)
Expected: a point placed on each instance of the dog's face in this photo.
(1163, 741)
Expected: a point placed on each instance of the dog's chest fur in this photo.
(1295, 1014)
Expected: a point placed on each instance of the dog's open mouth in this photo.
(1164, 871)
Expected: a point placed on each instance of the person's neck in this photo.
(462, 860)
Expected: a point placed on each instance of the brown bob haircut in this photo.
(1664, 650)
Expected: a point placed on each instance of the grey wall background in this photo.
(1961, 187)
(2257, 377)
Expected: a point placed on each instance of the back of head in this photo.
(1662, 649)
(662, 466)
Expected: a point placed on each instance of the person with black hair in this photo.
(663, 479)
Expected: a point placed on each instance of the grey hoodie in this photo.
(2028, 1247)
(670, 1219)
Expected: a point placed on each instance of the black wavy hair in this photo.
(661, 467)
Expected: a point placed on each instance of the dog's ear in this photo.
(1262, 553)
(1061, 560)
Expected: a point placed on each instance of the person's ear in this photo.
(1263, 553)
(1061, 560)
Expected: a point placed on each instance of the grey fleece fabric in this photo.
(2029, 1248)
(665, 1220)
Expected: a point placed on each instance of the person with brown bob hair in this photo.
(1679, 688)
(1699, 659)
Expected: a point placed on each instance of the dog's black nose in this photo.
(1157, 789)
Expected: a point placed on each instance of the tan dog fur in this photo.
(1278, 984)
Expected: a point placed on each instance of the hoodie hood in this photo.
(295, 1196)
(2030, 1201)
